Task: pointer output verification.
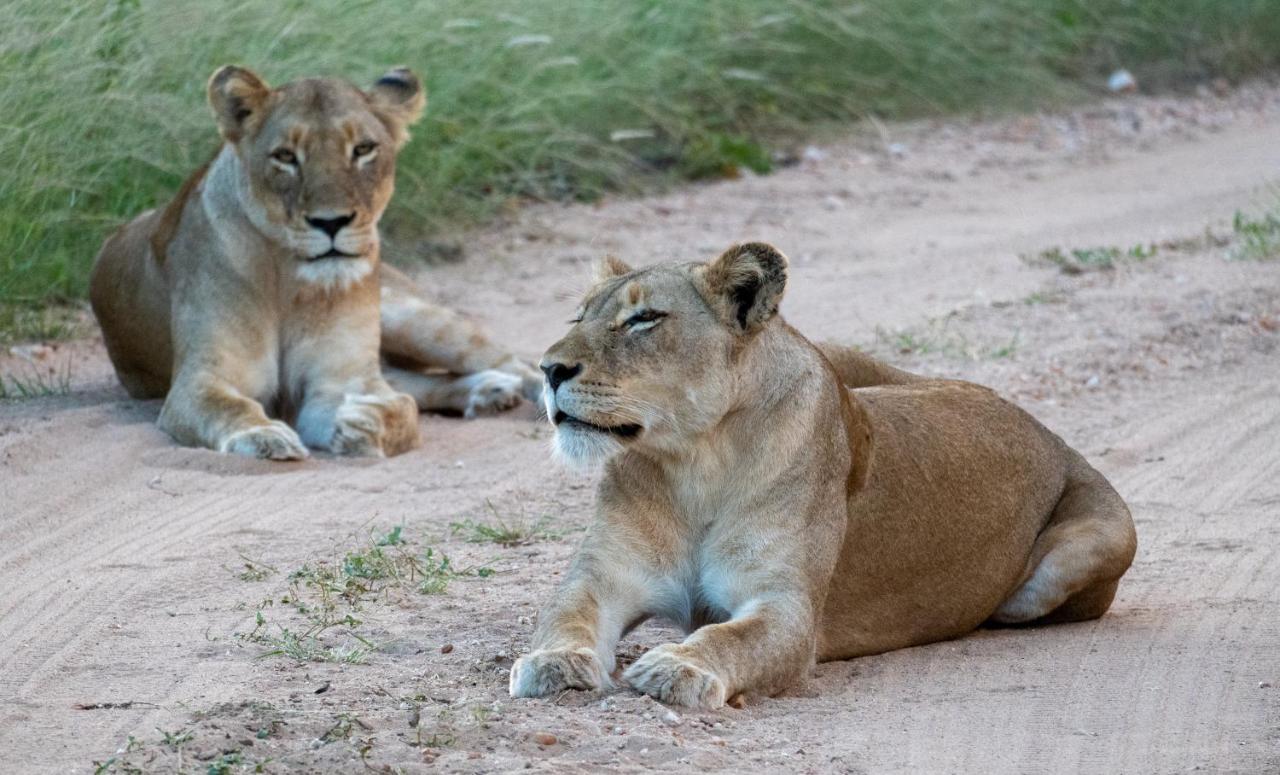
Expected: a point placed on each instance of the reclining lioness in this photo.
(785, 504)
(257, 292)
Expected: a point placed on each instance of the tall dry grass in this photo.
(102, 105)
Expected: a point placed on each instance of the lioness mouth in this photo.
(333, 253)
(626, 431)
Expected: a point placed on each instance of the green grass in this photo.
(1092, 259)
(103, 100)
(1256, 238)
(938, 336)
(36, 382)
(322, 616)
(501, 531)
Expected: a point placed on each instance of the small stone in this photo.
(1122, 81)
(671, 717)
(446, 648)
(1093, 382)
(1264, 684)
(545, 738)
(31, 352)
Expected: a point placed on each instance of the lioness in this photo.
(783, 503)
(257, 291)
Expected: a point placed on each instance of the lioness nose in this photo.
(331, 226)
(558, 372)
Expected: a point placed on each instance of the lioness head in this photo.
(649, 361)
(318, 156)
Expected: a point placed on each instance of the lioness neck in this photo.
(786, 402)
(239, 229)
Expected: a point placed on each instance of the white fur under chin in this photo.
(334, 274)
(583, 450)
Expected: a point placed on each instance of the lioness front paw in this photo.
(490, 391)
(273, 441)
(540, 673)
(357, 427)
(667, 676)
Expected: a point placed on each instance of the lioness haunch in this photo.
(785, 502)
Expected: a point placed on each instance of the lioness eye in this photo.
(284, 156)
(364, 149)
(642, 317)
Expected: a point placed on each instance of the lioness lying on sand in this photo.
(785, 503)
(257, 292)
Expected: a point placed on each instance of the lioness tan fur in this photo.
(785, 503)
(257, 292)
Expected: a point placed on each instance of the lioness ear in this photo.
(746, 282)
(608, 268)
(399, 98)
(237, 97)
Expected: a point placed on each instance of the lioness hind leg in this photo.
(1079, 557)
(422, 334)
(483, 392)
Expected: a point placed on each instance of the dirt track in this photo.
(120, 552)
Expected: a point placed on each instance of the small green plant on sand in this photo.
(504, 532)
(328, 596)
(36, 382)
(1256, 238)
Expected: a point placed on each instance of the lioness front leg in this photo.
(764, 648)
(205, 410)
(578, 630)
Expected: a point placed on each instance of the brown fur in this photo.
(230, 304)
(786, 503)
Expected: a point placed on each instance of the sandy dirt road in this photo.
(141, 583)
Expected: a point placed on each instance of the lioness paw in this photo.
(274, 441)
(530, 378)
(358, 427)
(540, 673)
(490, 391)
(665, 675)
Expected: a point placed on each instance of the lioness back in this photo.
(130, 298)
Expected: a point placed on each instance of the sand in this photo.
(126, 611)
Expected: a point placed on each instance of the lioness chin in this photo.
(254, 302)
(786, 503)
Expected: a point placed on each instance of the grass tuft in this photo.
(36, 382)
(1256, 238)
(326, 598)
(502, 531)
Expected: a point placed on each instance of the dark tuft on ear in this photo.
(237, 96)
(398, 98)
(747, 282)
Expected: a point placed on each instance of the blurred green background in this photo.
(103, 110)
